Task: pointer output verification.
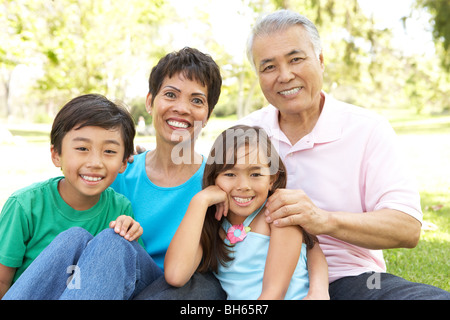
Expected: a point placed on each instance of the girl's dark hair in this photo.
(194, 65)
(223, 156)
(93, 110)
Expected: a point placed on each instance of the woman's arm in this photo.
(185, 252)
(6, 277)
(318, 274)
(282, 258)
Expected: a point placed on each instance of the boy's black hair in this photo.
(93, 110)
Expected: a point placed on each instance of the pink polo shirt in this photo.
(349, 162)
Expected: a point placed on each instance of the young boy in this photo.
(91, 139)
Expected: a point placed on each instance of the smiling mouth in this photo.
(290, 91)
(243, 201)
(91, 178)
(178, 124)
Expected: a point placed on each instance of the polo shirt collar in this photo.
(327, 129)
(273, 126)
(329, 125)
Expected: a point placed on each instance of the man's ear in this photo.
(56, 157)
(321, 61)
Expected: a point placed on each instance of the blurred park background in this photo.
(391, 56)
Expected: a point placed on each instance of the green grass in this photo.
(426, 143)
(429, 262)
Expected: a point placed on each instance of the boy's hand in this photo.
(127, 227)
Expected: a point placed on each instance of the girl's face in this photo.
(247, 184)
(178, 106)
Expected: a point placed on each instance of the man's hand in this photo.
(293, 207)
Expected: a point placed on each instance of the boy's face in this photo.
(91, 158)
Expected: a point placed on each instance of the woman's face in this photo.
(179, 110)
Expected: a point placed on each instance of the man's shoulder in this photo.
(352, 110)
(258, 117)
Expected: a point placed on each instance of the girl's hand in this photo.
(127, 227)
(216, 196)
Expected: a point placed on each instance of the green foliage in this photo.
(440, 11)
(81, 46)
(137, 109)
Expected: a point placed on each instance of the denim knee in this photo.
(108, 238)
(109, 235)
(76, 233)
(73, 237)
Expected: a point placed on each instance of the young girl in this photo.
(224, 229)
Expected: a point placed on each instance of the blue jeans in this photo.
(78, 266)
(383, 286)
(201, 286)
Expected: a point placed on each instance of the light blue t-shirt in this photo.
(159, 210)
(242, 277)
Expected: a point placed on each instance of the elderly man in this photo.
(346, 181)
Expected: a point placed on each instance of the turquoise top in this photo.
(159, 210)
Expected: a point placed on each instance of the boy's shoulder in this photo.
(28, 199)
(42, 186)
(112, 195)
(115, 200)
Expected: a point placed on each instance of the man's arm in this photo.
(380, 229)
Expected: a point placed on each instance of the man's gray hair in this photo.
(281, 20)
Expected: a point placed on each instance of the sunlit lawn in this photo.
(425, 142)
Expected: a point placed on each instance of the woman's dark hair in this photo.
(194, 65)
(93, 110)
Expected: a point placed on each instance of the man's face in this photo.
(290, 73)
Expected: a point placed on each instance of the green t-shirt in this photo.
(33, 216)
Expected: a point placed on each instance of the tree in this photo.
(440, 12)
(81, 46)
(362, 65)
(16, 48)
